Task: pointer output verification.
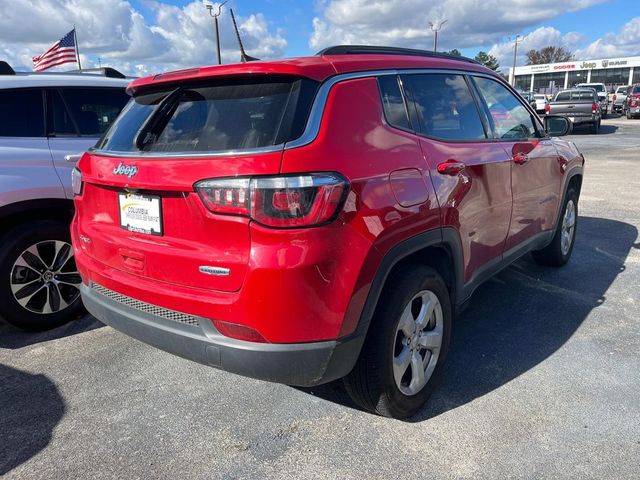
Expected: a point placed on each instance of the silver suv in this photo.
(45, 117)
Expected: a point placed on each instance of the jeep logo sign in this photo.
(128, 170)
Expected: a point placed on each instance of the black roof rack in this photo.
(373, 50)
(5, 68)
(104, 71)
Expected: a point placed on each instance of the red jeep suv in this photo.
(309, 219)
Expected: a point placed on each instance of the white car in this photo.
(603, 97)
(45, 118)
(620, 99)
(541, 102)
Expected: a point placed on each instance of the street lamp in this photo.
(435, 28)
(215, 21)
(517, 40)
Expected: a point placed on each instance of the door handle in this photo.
(450, 167)
(73, 157)
(521, 158)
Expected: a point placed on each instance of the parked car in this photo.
(541, 103)
(603, 98)
(529, 97)
(308, 219)
(46, 116)
(620, 99)
(579, 105)
(633, 101)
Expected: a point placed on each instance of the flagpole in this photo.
(75, 37)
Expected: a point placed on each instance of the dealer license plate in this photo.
(140, 213)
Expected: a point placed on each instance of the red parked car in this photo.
(633, 101)
(304, 220)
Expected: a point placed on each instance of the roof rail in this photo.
(5, 68)
(379, 50)
(104, 71)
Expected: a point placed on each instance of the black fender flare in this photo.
(446, 237)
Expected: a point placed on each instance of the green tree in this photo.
(487, 60)
(548, 55)
(455, 52)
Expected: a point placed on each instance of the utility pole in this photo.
(517, 40)
(435, 28)
(215, 22)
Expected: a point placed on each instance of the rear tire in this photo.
(402, 359)
(558, 252)
(38, 277)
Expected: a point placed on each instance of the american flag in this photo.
(63, 51)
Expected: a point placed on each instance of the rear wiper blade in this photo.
(162, 112)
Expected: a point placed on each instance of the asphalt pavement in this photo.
(542, 381)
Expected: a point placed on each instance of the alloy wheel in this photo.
(568, 227)
(418, 342)
(44, 278)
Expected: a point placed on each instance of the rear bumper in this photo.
(300, 364)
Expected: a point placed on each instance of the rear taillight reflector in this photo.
(239, 332)
(547, 108)
(594, 107)
(280, 202)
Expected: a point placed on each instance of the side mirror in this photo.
(556, 126)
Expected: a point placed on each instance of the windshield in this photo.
(622, 90)
(636, 89)
(226, 114)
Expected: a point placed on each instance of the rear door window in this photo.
(446, 108)
(222, 115)
(21, 113)
(92, 110)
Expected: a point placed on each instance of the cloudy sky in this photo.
(147, 36)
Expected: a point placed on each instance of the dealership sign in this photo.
(580, 65)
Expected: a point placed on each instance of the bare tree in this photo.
(548, 54)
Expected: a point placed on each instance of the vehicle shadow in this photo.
(26, 427)
(605, 129)
(522, 316)
(14, 338)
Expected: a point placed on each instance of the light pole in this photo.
(215, 21)
(435, 28)
(515, 56)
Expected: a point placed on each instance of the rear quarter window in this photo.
(219, 115)
(395, 111)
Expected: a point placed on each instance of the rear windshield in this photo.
(227, 114)
(622, 90)
(575, 95)
(636, 90)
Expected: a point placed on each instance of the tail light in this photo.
(614, 97)
(547, 108)
(634, 101)
(594, 107)
(76, 181)
(279, 202)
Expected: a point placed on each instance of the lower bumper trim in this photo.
(299, 364)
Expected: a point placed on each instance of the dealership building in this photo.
(550, 77)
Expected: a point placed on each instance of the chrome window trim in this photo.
(312, 128)
(317, 109)
(217, 153)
